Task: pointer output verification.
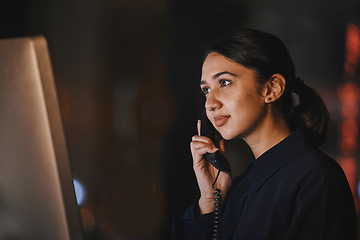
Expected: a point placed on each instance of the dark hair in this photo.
(267, 55)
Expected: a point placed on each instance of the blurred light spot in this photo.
(349, 95)
(79, 191)
(87, 219)
(352, 48)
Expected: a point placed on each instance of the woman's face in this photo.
(234, 99)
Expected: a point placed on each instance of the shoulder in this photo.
(321, 179)
(315, 168)
(314, 161)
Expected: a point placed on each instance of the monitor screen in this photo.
(37, 198)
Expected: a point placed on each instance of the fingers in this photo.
(201, 145)
(197, 138)
(199, 127)
(202, 148)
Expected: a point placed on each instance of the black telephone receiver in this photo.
(217, 159)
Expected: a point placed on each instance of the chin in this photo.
(230, 134)
(227, 135)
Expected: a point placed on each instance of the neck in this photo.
(270, 132)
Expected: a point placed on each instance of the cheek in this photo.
(247, 108)
(242, 103)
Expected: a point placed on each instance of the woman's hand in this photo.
(206, 173)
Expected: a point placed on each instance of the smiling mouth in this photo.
(221, 120)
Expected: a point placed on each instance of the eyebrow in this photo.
(218, 75)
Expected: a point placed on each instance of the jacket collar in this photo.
(282, 153)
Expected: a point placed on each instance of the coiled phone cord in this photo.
(217, 210)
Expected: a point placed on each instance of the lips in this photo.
(221, 120)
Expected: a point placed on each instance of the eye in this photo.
(224, 82)
(205, 90)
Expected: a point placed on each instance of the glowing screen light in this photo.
(79, 191)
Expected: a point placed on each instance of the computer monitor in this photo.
(37, 198)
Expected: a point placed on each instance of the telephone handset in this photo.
(217, 159)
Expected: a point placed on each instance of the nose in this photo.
(212, 102)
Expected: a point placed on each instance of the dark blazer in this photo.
(293, 191)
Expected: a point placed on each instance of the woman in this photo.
(291, 190)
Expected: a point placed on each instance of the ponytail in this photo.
(311, 112)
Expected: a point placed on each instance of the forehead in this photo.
(217, 60)
(216, 63)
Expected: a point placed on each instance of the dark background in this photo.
(127, 75)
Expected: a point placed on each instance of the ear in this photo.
(275, 88)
